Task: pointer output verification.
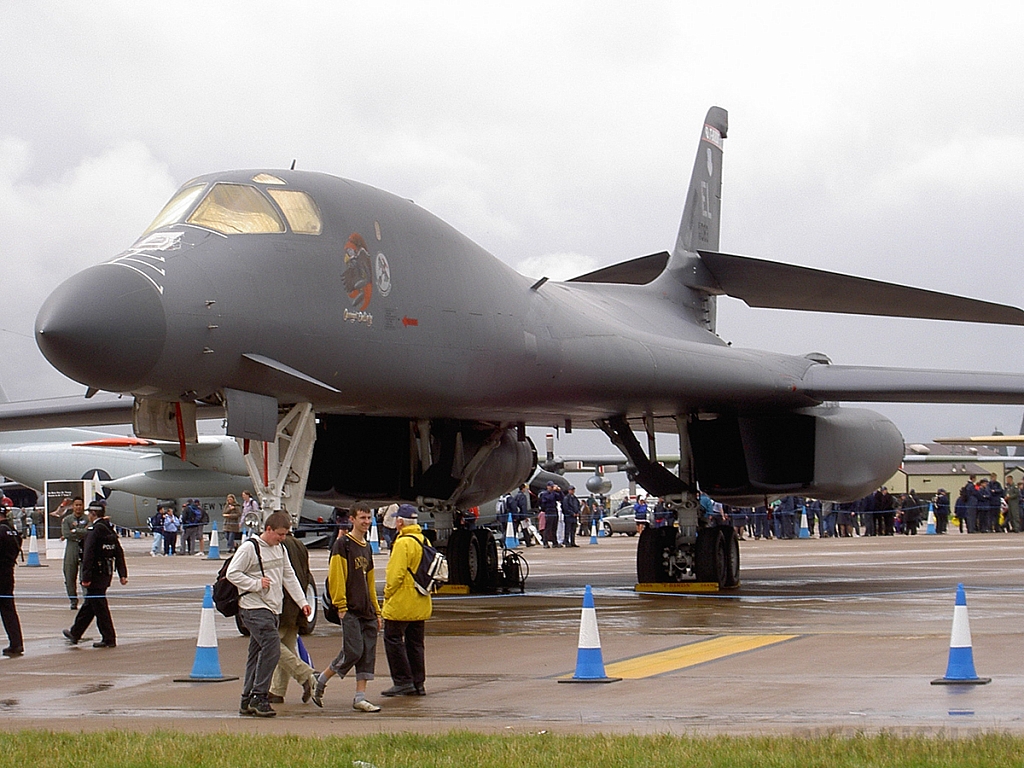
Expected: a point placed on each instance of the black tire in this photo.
(309, 625)
(458, 557)
(651, 567)
(709, 557)
(608, 530)
(487, 550)
(731, 551)
(631, 533)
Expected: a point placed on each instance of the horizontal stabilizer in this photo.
(993, 440)
(908, 385)
(769, 284)
(633, 272)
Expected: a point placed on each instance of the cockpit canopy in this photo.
(232, 208)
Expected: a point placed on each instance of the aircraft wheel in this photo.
(487, 569)
(651, 551)
(458, 553)
(474, 560)
(731, 547)
(709, 559)
(242, 629)
(306, 627)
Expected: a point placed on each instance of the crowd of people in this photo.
(981, 506)
(273, 574)
(168, 528)
(560, 516)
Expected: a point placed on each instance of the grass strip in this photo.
(41, 749)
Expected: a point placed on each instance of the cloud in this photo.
(51, 229)
(556, 266)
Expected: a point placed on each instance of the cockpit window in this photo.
(267, 178)
(299, 208)
(236, 209)
(177, 207)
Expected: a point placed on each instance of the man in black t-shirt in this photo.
(354, 594)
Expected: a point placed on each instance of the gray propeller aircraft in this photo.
(359, 347)
(134, 475)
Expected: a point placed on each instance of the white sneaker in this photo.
(364, 706)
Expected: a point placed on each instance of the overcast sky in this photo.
(885, 140)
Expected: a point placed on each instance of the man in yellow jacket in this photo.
(405, 609)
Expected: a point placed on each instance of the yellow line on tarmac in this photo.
(690, 655)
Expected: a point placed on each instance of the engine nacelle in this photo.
(460, 463)
(827, 452)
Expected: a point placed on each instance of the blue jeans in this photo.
(264, 650)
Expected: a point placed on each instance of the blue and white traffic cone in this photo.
(214, 551)
(930, 529)
(960, 669)
(805, 532)
(33, 550)
(593, 532)
(511, 540)
(374, 536)
(206, 667)
(589, 664)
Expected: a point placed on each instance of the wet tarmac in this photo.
(823, 636)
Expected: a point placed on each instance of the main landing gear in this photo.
(474, 560)
(686, 549)
(662, 556)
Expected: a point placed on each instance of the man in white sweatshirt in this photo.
(262, 572)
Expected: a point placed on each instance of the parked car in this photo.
(621, 521)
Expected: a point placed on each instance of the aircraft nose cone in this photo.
(104, 327)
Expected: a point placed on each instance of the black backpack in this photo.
(331, 612)
(225, 592)
(432, 570)
(330, 609)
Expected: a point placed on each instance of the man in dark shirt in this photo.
(571, 515)
(941, 510)
(10, 548)
(549, 500)
(101, 556)
(354, 594)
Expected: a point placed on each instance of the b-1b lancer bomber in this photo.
(360, 348)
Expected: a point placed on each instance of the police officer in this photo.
(550, 499)
(10, 548)
(571, 516)
(101, 556)
(72, 531)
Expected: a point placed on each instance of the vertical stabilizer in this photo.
(699, 229)
(702, 214)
